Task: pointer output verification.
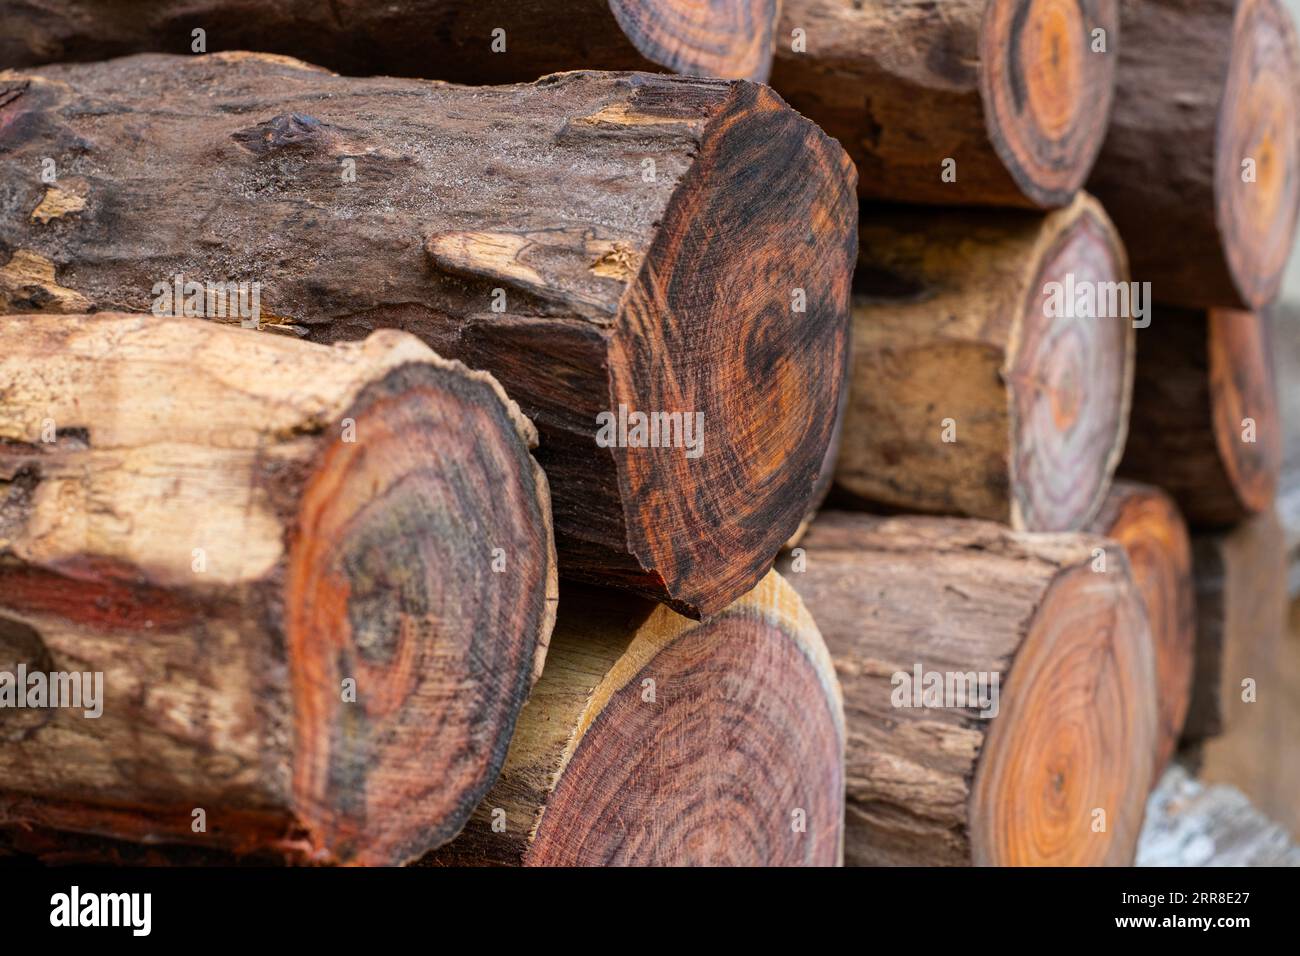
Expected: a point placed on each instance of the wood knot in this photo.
(286, 131)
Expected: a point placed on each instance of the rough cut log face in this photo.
(1012, 90)
(966, 397)
(1075, 724)
(1201, 164)
(438, 39)
(653, 740)
(1205, 421)
(595, 241)
(1148, 524)
(229, 526)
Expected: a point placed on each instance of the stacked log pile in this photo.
(540, 442)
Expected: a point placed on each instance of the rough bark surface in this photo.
(229, 527)
(1203, 87)
(439, 39)
(651, 739)
(1204, 424)
(966, 398)
(1011, 90)
(599, 242)
(1075, 727)
(1147, 523)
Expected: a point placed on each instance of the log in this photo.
(1147, 523)
(1057, 770)
(1199, 167)
(1189, 824)
(1011, 90)
(438, 39)
(1204, 423)
(655, 740)
(965, 397)
(1246, 694)
(226, 528)
(603, 244)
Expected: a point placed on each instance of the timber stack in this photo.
(494, 434)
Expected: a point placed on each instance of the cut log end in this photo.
(1243, 401)
(1046, 92)
(1067, 766)
(731, 39)
(385, 588)
(1148, 524)
(757, 358)
(1257, 154)
(1071, 384)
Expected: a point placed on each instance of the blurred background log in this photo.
(1010, 91)
(654, 740)
(965, 397)
(454, 40)
(228, 528)
(1057, 772)
(518, 229)
(1200, 169)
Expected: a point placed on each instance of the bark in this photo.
(653, 740)
(1202, 87)
(1205, 424)
(598, 242)
(1073, 735)
(1011, 90)
(1189, 824)
(1147, 523)
(438, 39)
(228, 527)
(966, 398)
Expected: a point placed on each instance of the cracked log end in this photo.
(1046, 93)
(655, 740)
(1258, 121)
(231, 526)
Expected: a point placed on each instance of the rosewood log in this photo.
(636, 243)
(1011, 91)
(1204, 423)
(280, 557)
(1200, 167)
(1058, 771)
(1147, 523)
(440, 39)
(654, 740)
(965, 397)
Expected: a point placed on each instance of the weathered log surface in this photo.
(1204, 424)
(438, 39)
(653, 740)
(228, 526)
(1147, 523)
(650, 238)
(1011, 90)
(1189, 824)
(1074, 731)
(1202, 87)
(965, 397)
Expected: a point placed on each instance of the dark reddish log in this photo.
(654, 740)
(1147, 523)
(965, 397)
(1203, 87)
(1246, 695)
(1011, 90)
(1204, 423)
(438, 39)
(1059, 773)
(671, 246)
(228, 527)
